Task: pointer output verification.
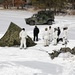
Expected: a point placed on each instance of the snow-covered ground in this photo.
(35, 60)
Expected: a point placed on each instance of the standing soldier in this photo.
(23, 37)
(50, 34)
(55, 36)
(36, 32)
(46, 37)
(59, 31)
(58, 34)
(65, 35)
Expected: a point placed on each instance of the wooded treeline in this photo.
(42, 4)
(13, 3)
(54, 4)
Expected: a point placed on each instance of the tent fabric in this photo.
(11, 37)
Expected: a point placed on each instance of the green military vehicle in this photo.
(42, 17)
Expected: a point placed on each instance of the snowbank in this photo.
(35, 60)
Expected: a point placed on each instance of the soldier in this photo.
(59, 31)
(58, 35)
(46, 37)
(55, 36)
(23, 37)
(65, 35)
(50, 34)
(35, 33)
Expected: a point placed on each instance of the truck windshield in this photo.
(35, 15)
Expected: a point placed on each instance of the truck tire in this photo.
(49, 22)
(32, 22)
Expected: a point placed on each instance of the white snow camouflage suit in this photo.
(23, 37)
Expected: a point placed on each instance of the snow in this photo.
(35, 60)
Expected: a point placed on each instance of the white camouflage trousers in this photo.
(23, 43)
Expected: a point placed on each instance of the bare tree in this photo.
(19, 3)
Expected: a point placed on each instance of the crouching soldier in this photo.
(23, 37)
(46, 37)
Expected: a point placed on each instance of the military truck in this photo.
(42, 17)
